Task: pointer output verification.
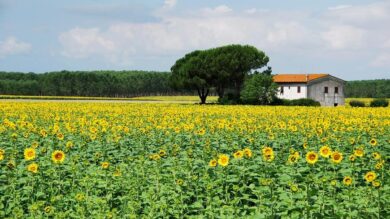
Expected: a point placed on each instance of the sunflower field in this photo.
(122, 160)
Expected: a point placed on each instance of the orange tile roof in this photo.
(296, 78)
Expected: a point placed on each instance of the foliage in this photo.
(192, 72)
(184, 161)
(231, 64)
(304, 102)
(296, 102)
(96, 84)
(368, 88)
(356, 103)
(259, 88)
(379, 103)
(219, 68)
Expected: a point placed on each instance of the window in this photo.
(299, 89)
(326, 90)
(281, 89)
(336, 90)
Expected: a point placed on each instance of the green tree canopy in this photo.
(219, 68)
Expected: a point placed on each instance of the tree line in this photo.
(88, 83)
(368, 88)
(133, 83)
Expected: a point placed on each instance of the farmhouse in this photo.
(324, 88)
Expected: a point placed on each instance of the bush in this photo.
(357, 103)
(259, 88)
(379, 103)
(297, 102)
(229, 99)
(304, 102)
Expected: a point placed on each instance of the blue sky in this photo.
(349, 39)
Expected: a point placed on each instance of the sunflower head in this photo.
(376, 184)
(337, 157)
(248, 152)
(238, 154)
(325, 151)
(33, 168)
(311, 157)
(370, 176)
(58, 156)
(347, 180)
(358, 152)
(105, 165)
(29, 154)
(376, 155)
(373, 142)
(213, 163)
(223, 160)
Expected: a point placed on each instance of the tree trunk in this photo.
(203, 95)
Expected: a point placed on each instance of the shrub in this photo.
(379, 103)
(259, 88)
(304, 102)
(357, 103)
(229, 99)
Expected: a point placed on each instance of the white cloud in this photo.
(339, 7)
(221, 9)
(344, 37)
(169, 4)
(271, 31)
(12, 46)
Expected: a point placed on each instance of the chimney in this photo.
(307, 77)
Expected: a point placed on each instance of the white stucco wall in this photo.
(290, 91)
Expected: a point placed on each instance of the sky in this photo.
(345, 38)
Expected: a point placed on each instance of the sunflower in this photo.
(378, 166)
(58, 156)
(34, 144)
(29, 154)
(373, 142)
(179, 182)
(376, 183)
(293, 158)
(1, 157)
(223, 160)
(376, 155)
(69, 144)
(238, 154)
(333, 182)
(268, 154)
(347, 180)
(358, 152)
(352, 158)
(162, 153)
(117, 172)
(105, 165)
(213, 163)
(325, 151)
(311, 157)
(337, 157)
(33, 168)
(248, 152)
(294, 188)
(267, 151)
(60, 136)
(370, 176)
(155, 157)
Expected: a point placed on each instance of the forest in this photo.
(130, 84)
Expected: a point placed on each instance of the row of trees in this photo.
(96, 83)
(368, 88)
(220, 69)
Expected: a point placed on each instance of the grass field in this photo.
(137, 160)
